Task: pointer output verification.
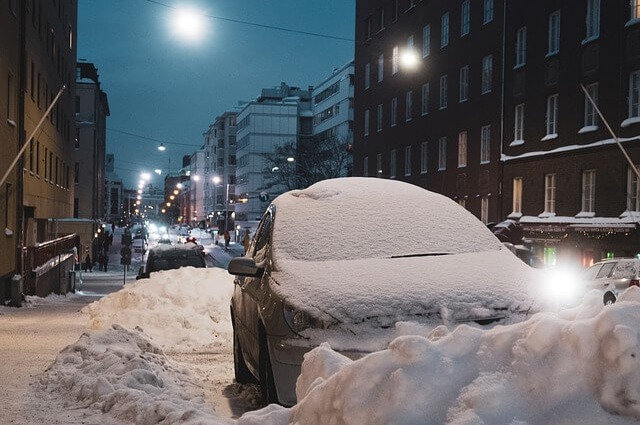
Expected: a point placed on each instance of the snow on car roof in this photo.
(333, 244)
(359, 217)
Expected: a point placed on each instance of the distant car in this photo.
(164, 240)
(138, 244)
(329, 264)
(612, 276)
(183, 234)
(166, 257)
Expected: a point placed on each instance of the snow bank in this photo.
(178, 310)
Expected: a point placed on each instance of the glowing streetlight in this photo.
(216, 179)
(145, 176)
(162, 147)
(189, 24)
(409, 59)
(179, 185)
(196, 177)
(158, 171)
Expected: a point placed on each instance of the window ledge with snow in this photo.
(586, 214)
(629, 121)
(549, 137)
(588, 129)
(517, 142)
(546, 215)
(632, 21)
(515, 215)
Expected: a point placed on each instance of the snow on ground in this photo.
(577, 366)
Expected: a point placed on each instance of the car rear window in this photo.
(624, 270)
(175, 262)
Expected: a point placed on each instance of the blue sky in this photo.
(162, 87)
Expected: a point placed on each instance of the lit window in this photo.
(426, 40)
(517, 195)
(380, 67)
(635, 9)
(394, 60)
(550, 193)
(462, 149)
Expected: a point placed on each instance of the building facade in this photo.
(566, 180)
(490, 110)
(220, 147)
(197, 180)
(279, 115)
(113, 191)
(92, 110)
(37, 60)
(428, 97)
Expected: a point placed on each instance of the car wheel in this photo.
(242, 373)
(609, 298)
(267, 384)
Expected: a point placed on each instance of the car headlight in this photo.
(299, 320)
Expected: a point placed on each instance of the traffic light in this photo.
(125, 253)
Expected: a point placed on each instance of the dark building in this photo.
(493, 114)
(435, 123)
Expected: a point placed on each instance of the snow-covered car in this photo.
(170, 257)
(356, 262)
(612, 276)
(138, 244)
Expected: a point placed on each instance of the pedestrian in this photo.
(227, 239)
(101, 261)
(106, 261)
(88, 265)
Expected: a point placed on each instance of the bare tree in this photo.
(296, 166)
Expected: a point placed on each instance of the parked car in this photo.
(138, 244)
(164, 240)
(613, 276)
(346, 259)
(169, 257)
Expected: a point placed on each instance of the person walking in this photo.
(106, 260)
(88, 265)
(227, 239)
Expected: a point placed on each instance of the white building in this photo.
(333, 105)
(113, 198)
(280, 115)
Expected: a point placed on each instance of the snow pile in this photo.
(119, 372)
(178, 310)
(577, 366)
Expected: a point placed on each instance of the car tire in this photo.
(267, 384)
(242, 373)
(608, 298)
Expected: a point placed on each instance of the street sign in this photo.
(263, 196)
(125, 253)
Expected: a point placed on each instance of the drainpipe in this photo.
(22, 82)
(502, 101)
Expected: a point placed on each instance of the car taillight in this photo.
(634, 282)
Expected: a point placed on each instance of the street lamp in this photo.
(162, 147)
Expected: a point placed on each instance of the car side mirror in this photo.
(244, 266)
(142, 274)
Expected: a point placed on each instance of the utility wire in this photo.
(151, 138)
(254, 24)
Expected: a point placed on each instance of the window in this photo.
(365, 166)
(425, 99)
(444, 30)
(488, 11)
(379, 165)
(37, 158)
(367, 76)
(593, 19)
(38, 89)
(485, 144)
(552, 115)
(484, 209)
(487, 73)
(635, 9)
(367, 28)
(394, 10)
(634, 94)
(426, 40)
(521, 46)
(554, 33)
(517, 194)
(465, 18)
(462, 149)
(13, 5)
(462, 202)
(423, 157)
(366, 122)
(588, 190)
(409, 106)
(464, 83)
(442, 153)
(443, 92)
(633, 200)
(518, 128)
(395, 57)
(407, 161)
(380, 67)
(590, 114)
(392, 164)
(33, 81)
(394, 111)
(550, 193)
(410, 43)
(379, 119)
(381, 18)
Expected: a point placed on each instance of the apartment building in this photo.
(490, 111)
